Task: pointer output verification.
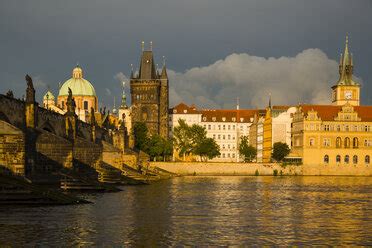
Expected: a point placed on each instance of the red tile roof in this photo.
(234, 115)
(329, 112)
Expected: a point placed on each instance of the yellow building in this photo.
(338, 134)
(334, 135)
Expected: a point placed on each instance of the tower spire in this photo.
(142, 46)
(123, 97)
(270, 100)
(237, 103)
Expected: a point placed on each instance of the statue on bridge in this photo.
(71, 105)
(30, 92)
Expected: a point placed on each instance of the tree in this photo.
(140, 136)
(246, 150)
(280, 150)
(207, 149)
(182, 138)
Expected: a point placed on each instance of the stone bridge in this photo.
(47, 147)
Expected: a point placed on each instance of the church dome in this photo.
(78, 85)
(49, 96)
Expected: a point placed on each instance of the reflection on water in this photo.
(205, 211)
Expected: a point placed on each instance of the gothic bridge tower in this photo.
(150, 95)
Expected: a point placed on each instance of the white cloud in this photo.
(305, 78)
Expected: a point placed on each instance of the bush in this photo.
(275, 172)
(256, 173)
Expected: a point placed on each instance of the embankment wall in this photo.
(249, 169)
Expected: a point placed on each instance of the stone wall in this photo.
(86, 154)
(198, 168)
(338, 170)
(52, 151)
(226, 169)
(12, 148)
(112, 156)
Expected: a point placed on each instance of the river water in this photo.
(204, 211)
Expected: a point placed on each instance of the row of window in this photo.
(346, 128)
(228, 146)
(223, 119)
(85, 105)
(221, 127)
(347, 159)
(227, 155)
(339, 143)
(223, 136)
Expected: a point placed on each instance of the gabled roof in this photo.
(329, 112)
(182, 108)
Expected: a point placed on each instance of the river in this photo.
(204, 211)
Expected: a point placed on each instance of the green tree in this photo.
(207, 148)
(246, 150)
(280, 150)
(182, 138)
(140, 133)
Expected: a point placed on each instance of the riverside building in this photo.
(338, 134)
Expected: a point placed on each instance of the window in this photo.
(228, 155)
(228, 127)
(311, 141)
(367, 159)
(355, 142)
(367, 143)
(223, 127)
(347, 142)
(338, 158)
(214, 136)
(219, 136)
(233, 155)
(223, 146)
(219, 127)
(326, 159)
(346, 160)
(228, 136)
(326, 127)
(326, 142)
(366, 128)
(233, 127)
(209, 127)
(228, 146)
(346, 127)
(85, 105)
(223, 155)
(355, 159)
(338, 128)
(338, 142)
(223, 136)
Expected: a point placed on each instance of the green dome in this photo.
(78, 85)
(49, 96)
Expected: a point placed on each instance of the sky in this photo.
(216, 50)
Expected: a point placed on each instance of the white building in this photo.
(225, 126)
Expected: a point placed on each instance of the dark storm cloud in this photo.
(47, 38)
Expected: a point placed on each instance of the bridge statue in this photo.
(30, 91)
(71, 105)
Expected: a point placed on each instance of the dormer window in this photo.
(233, 119)
(204, 118)
(241, 119)
(223, 118)
(175, 111)
(213, 118)
(185, 111)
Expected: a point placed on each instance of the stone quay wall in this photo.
(250, 169)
